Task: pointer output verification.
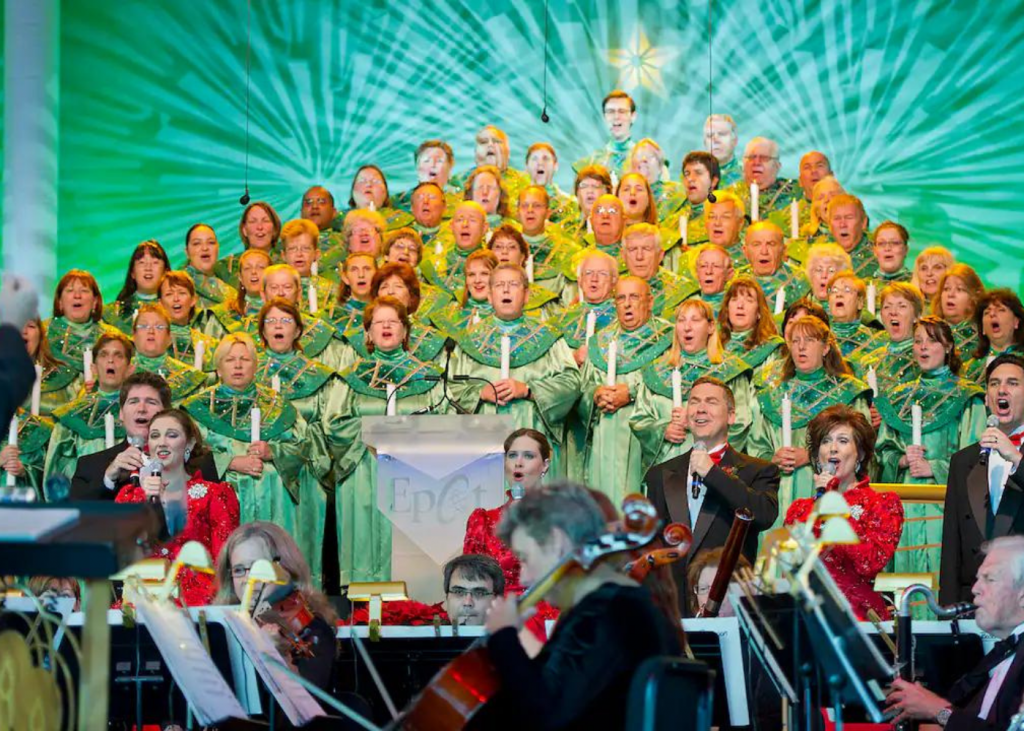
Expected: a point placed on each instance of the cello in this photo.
(677, 538)
(465, 685)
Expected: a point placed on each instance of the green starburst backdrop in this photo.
(918, 104)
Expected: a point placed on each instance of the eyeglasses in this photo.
(609, 210)
(146, 326)
(599, 273)
(591, 186)
(841, 290)
(759, 158)
(379, 323)
(315, 201)
(280, 320)
(889, 244)
(720, 217)
(460, 592)
(819, 270)
(402, 246)
(628, 298)
(364, 180)
(512, 285)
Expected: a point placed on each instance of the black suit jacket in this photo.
(967, 522)
(1007, 702)
(739, 481)
(87, 484)
(17, 374)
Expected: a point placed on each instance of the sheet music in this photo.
(26, 524)
(295, 701)
(205, 689)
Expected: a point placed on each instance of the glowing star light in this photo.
(640, 64)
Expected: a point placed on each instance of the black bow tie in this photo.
(971, 683)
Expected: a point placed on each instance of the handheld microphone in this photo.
(57, 488)
(992, 421)
(697, 482)
(517, 490)
(833, 484)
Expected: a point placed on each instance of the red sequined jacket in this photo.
(212, 516)
(877, 518)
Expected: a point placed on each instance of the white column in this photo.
(31, 141)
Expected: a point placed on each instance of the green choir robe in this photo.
(228, 268)
(539, 357)
(810, 394)
(965, 335)
(448, 271)
(225, 417)
(894, 363)
(34, 433)
(224, 318)
(730, 172)
(455, 317)
(552, 253)
(612, 156)
(310, 387)
(669, 197)
(653, 410)
(69, 340)
(432, 301)
(787, 275)
(121, 315)
(883, 279)
(210, 289)
(426, 343)
(974, 368)
(183, 379)
(762, 358)
(773, 201)
(668, 291)
(953, 417)
(613, 461)
(857, 340)
(80, 430)
(672, 241)
(572, 322)
(364, 531)
(60, 385)
(183, 346)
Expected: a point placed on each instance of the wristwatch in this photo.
(942, 717)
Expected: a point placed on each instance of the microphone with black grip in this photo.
(993, 420)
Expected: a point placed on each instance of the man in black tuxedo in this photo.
(989, 695)
(985, 495)
(19, 303)
(99, 476)
(704, 488)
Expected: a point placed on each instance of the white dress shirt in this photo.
(999, 471)
(997, 675)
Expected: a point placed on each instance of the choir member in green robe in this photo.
(890, 248)
(178, 296)
(399, 281)
(542, 381)
(764, 248)
(299, 251)
(405, 246)
(721, 140)
(319, 339)
(701, 175)
(713, 270)
(960, 290)
(929, 266)
(814, 166)
(893, 361)
(203, 250)
(152, 338)
(434, 161)
(643, 252)
(76, 323)
(24, 461)
(814, 376)
(848, 224)
(510, 247)
(541, 166)
(591, 183)
(370, 192)
(346, 311)
(659, 424)
(492, 150)
(648, 159)
(747, 331)
(724, 220)
(362, 232)
(613, 461)
(469, 227)
(552, 251)
(80, 425)
(474, 304)
(999, 319)
(638, 204)
(364, 531)
(823, 262)
(146, 268)
(60, 382)
(953, 416)
(619, 112)
(847, 294)
(239, 313)
(816, 231)
(317, 205)
(429, 209)
(264, 471)
(486, 187)
(258, 228)
(761, 165)
(309, 386)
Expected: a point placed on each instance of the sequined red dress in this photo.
(877, 518)
(212, 516)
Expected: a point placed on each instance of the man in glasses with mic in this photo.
(471, 582)
(985, 487)
(704, 487)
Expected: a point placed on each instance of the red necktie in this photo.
(1016, 438)
(717, 455)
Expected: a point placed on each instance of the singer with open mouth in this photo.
(985, 489)
(841, 443)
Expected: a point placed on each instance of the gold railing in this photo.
(913, 493)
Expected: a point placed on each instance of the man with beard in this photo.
(619, 112)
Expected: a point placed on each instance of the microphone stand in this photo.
(449, 346)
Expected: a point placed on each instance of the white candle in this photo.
(372, 206)
(780, 300)
(312, 297)
(87, 365)
(591, 324)
(529, 268)
(794, 220)
(476, 317)
(254, 429)
(872, 295)
(200, 355)
(12, 440)
(677, 389)
(275, 383)
(590, 226)
(314, 269)
(108, 428)
(787, 421)
(391, 388)
(873, 380)
(615, 180)
(684, 230)
(506, 356)
(613, 356)
(438, 247)
(916, 418)
(37, 391)
(754, 201)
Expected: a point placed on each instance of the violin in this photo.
(677, 538)
(467, 683)
(288, 610)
